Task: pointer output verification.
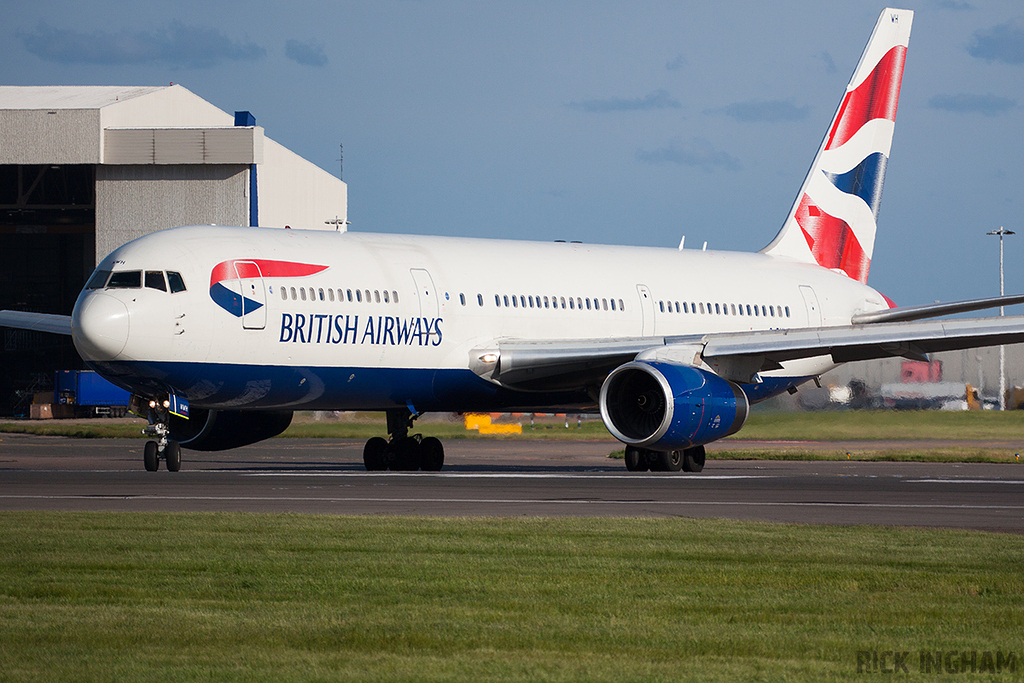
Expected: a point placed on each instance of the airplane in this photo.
(221, 333)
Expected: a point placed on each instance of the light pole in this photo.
(1002, 349)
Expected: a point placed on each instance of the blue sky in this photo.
(608, 122)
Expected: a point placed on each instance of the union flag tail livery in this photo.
(832, 222)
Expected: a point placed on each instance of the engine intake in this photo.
(667, 407)
(220, 430)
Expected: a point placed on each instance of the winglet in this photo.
(832, 222)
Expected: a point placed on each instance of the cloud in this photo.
(1001, 43)
(698, 153)
(675, 64)
(762, 111)
(177, 45)
(989, 105)
(659, 99)
(306, 54)
(830, 64)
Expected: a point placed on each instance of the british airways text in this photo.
(315, 328)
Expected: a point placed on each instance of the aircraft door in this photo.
(254, 295)
(430, 306)
(646, 310)
(811, 304)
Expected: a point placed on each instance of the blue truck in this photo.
(90, 394)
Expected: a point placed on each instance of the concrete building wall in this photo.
(58, 136)
(294, 192)
(132, 201)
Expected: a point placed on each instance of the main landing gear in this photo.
(403, 452)
(642, 459)
(163, 448)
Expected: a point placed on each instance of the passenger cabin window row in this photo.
(352, 295)
(576, 304)
(137, 279)
(710, 308)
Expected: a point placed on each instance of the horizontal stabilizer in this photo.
(923, 311)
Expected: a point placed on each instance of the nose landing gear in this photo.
(162, 448)
(403, 452)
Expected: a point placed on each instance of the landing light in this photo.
(489, 358)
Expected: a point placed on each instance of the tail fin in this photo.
(832, 222)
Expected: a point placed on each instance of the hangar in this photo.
(85, 169)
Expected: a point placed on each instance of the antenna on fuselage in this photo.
(681, 242)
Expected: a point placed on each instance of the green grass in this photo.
(289, 597)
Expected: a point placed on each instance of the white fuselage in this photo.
(423, 305)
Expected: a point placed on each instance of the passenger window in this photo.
(622, 306)
(572, 304)
(479, 299)
(284, 294)
(98, 279)
(387, 300)
(588, 304)
(515, 302)
(787, 311)
(394, 296)
(294, 297)
(613, 304)
(661, 305)
(349, 293)
(702, 308)
(522, 300)
(366, 295)
(321, 294)
(563, 302)
(462, 298)
(129, 279)
(604, 304)
(359, 296)
(302, 291)
(330, 294)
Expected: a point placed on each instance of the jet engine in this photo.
(219, 430)
(666, 407)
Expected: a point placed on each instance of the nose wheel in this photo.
(162, 448)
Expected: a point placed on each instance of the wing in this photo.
(41, 322)
(547, 365)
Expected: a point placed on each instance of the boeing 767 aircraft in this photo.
(221, 332)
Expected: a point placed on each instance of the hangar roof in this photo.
(68, 97)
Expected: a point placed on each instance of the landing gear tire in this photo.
(172, 456)
(405, 455)
(693, 459)
(151, 457)
(669, 461)
(636, 459)
(431, 454)
(374, 454)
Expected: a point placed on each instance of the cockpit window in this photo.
(155, 280)
(98, 279)
(128, 279)
(175, 281)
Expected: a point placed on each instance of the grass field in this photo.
(176, 597)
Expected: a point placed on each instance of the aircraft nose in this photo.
(100, 326)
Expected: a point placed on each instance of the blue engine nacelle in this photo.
(666, 407)
(219, 430)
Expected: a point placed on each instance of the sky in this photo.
(607, 122)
